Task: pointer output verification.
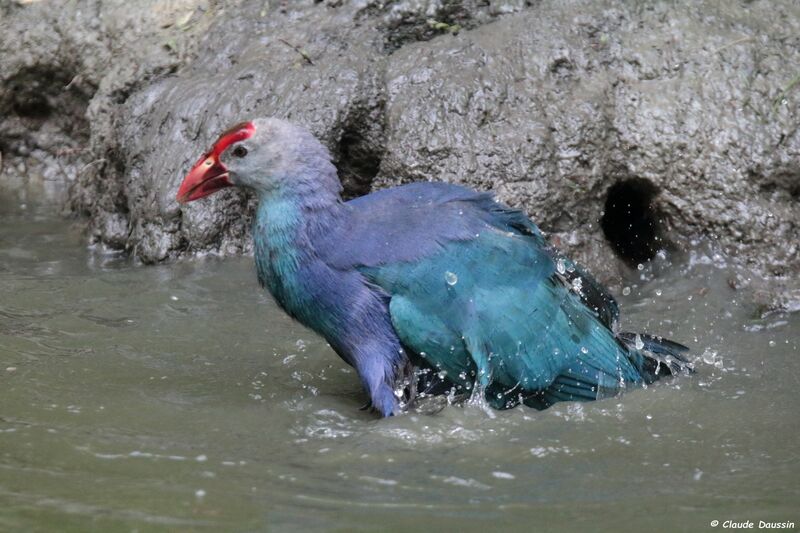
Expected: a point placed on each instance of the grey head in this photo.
(271, 156)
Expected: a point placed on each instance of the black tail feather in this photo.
(657, 356)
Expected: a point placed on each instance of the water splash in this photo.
(638, 342)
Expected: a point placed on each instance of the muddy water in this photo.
(179, 398)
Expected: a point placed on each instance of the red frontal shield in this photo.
(209, 175)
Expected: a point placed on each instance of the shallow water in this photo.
(178, 397)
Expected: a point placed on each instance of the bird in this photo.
(427, 288)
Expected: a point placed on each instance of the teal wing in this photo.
(503, 311)
(592, 293)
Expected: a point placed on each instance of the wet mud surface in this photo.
(622, 129)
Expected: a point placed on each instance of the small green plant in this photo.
(444, 26)
(794, 81)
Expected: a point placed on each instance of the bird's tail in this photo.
(655, 356)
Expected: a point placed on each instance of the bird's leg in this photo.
(382, 397)
(377, 362)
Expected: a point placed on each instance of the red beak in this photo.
(209, 175)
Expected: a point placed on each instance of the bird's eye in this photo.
(240, 151)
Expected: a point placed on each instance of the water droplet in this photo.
(772, 343)
(584, 350)
(638, 342)
(450, 278)
(709, 356)
(658, 292)
(640, 266)
(626, 291)
(199, 493)
(577, 283)
(560, 266)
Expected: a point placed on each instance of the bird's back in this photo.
(476, 293)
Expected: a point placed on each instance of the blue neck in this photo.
(284, 231)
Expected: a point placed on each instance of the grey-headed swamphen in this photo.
(429, 276)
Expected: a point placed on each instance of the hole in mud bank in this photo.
(631, 222)
(785, 182)
(358, 162)
(33, 106)
(45, 94)
(43, 130)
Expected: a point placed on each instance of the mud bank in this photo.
(679, 120)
